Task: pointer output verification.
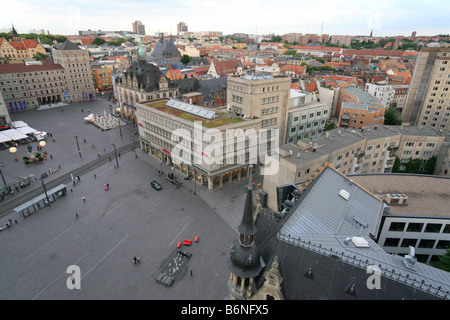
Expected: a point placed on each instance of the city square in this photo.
(102, 234)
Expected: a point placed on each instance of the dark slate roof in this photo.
(318, 258)
(187, 85)
(147, 74)
(68, 45)
(165, 49)
(210, 86)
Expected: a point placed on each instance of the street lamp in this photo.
(78, 146)
(45, 191)
(115, 152)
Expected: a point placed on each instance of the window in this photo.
(397, 226)
(391, 242)
(443, 244)
(433, 227)
(415, 227)
(425, 243)
(408, 242)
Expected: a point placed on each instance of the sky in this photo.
(262, 17)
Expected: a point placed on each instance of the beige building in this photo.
(18, 50)
(28, 85)
(76, 62)
(370, 150)
(428, 101)
(263, 97)
(177, 133)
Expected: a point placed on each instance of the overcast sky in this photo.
(385, 17)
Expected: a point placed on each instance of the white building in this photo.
(383, 92)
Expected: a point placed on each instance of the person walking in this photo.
(84, 199)
(76, 214)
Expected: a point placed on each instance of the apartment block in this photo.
(372, 149)
(261, 96)
(307, 117)
(383, 92)
(78, 74)
(428, 101)
(356, 109)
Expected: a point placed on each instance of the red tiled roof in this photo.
(30, 43)
(22, 67)
(18, 45)
(226, 66)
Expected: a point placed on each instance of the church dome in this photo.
(245, 262)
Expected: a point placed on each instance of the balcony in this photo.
(345, 116)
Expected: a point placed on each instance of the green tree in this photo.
(391, 117)
(98, 41)
(396, 166)
(185, 59)
(430, 165)
(444, 262)
(40, 56)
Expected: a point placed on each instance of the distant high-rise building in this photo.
(138, 27)
(413, 34)
(428, 99)
(181, 28)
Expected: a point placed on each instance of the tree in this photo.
(98, 41)
(40, 56)
(430, 165)
(397, 164)
(444, 262)
(185, 59)
(391, 117)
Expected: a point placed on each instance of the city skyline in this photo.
(385, 18)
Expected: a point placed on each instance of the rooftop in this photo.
(210, 117)
(427, 195)
(324, 145)
(364, 97)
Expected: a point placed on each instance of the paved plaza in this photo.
(112, 226)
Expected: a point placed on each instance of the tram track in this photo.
(7, 207)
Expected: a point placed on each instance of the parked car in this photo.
(156, 185)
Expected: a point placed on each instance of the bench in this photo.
(187, 242)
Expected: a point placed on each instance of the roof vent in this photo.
(344, 194)
(360, 242)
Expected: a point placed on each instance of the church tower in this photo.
(245, 262)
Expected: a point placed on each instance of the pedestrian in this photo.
(134, 259)
(95, 176)
(109, 159)
(191, 272)
(138, 260)
(78, 177)
(51, 157)
(84, 140)
(16, 221)
(84, 199)
(76, 214)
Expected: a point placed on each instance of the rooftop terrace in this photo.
(210, 117)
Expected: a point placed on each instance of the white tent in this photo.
(19, 124)
(4, 138)
(26, 130)
(14, 134)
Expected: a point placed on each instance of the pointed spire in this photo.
(247, 226)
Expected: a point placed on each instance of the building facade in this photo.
(141, 81)
(102, 77)
(372, 149)
(76, 62)
(306, 119)
(18, 50)
(178, 134)
(27, 86)
(263, 97)
(383, 92)
(428, 101)
(356, 108)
